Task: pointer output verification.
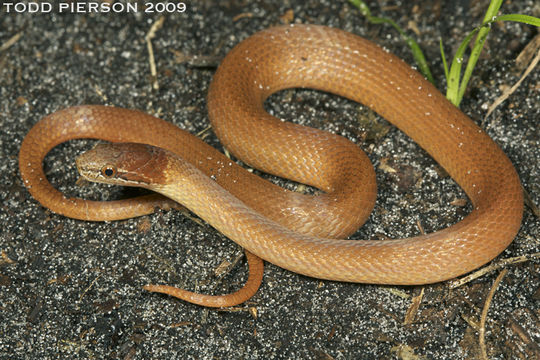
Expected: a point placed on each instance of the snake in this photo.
(306, 234)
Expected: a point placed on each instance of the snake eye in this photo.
(108, 171)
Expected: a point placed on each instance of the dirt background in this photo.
(73, 289)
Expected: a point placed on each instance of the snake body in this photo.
(298, 232)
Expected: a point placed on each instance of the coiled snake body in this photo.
(295, 231)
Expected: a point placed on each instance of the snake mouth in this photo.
(84, 172)
(120, 178)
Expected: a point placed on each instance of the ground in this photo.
(73, 289)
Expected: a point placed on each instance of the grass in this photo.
(457, 84)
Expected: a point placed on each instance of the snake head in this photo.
(128, 164)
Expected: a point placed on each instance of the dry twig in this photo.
(149, 36)
(482, 330)
(12, 40)
(492, 267)
(510, 91)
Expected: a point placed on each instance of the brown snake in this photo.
(294, 231)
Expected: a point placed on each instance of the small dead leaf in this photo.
(144, 225)
(385, 167)
(60, 279)
(180, 324)
(21, 100)
(288, 17)
(6, 259)
(526, 55)
(414, 27)
(459, 202)
(413, 308)
(253, 311)
(242, 15)
(405, 352)
(222, 268)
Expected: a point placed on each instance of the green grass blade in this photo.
(443, 57)
(525, 19)
(413, 45)
(364, 9)
(480, 40)
(455, 69)
(491, 13)
(456, 85)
